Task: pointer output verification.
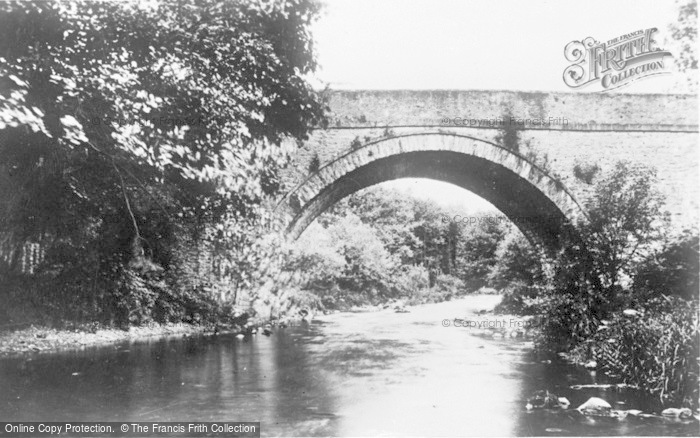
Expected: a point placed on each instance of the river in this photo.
(352, 374)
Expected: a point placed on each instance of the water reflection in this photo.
(351, 374)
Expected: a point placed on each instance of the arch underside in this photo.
(537, 216)
(539, 205)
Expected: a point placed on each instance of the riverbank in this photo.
(37, 339)
(51, 340)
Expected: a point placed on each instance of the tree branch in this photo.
(126, 201)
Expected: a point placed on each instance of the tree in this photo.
(368, 265)
(516, 263)
(477, 250)
(626, 222)
(316, 256)
(594, 271)
(684, 34)
(672, 270)
(125, 124)
(391, 214)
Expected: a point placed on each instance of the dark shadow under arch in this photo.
(507, 180)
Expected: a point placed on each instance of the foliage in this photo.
(508, 135)
(569, 317)
(356, 143)
(586, 172)
(377, 246)
(315, 255)
(626, 221)
(446, 288)
(368, 264)
(672, 270)
(516, 262)
(593, 272)
(608, 298)
(412, 281)
(388, 132)
(344, 264)
(314, 164)
(684, 33)
(478, 250)
(130, 130)
(521, 299)
(656, 349)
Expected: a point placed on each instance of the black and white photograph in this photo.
(349, 218)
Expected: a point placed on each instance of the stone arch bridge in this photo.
(458, 137)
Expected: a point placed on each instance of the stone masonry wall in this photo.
(656, 130)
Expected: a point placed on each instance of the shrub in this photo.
(411, 279)
(388, 133)
(517, 264)
(656, 350)
(567, 319)
(478, 247)
(625, 224)
(508, 135)
(294, 300)
(520, 299)
(586, 172)
(446, 287)
(314, 164)
(672, 271)
(451, 286)
(356, 143)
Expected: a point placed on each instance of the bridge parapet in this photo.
(483, 110)
(656, 130)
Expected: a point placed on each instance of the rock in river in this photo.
(546, 400)
(679, 413)
(595, 406)
(591, 365)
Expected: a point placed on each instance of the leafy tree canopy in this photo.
(198, 93)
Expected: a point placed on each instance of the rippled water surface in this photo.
(381, 373)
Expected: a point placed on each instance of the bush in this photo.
(567, 319)
(586, 172)
(520, 299)
(411, 279)
(656, 350)
(589, 284)
(517, 264)
(314, 164)
(294, 300)
(672, 271)
(446, 287)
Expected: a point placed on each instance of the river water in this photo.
(353, 374)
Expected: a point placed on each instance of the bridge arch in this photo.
(538, 204)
